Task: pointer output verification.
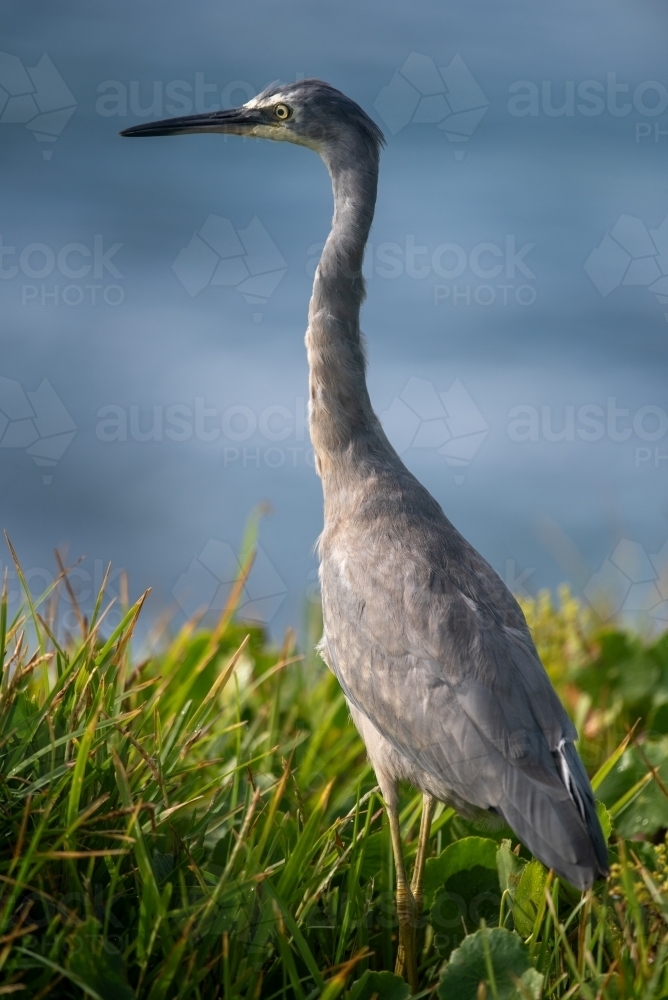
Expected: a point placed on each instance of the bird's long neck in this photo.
(340, 409)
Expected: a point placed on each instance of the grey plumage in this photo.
(430, 647)
(432, 651)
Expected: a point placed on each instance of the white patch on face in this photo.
(275, 99)
(270, 132)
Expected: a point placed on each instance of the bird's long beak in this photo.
(236, 121)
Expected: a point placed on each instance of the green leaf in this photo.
(509, 867)
(465, 853)
(170, 967)
(92, 960)
(605, 819)
(372, 860)
(163, 865)
(607, 765)
(151, 899)
(632, 796)
(658, 720)
(76, 785)
(251, 531)
(529, 897)
(298, 938)
(469, 891)
(27, 762)
(383, 985)
(46, 779)
(499, 959)
(302, 853)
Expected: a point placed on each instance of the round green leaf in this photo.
(383, 985)
(487, 955)
(457, 857)
(469, 891)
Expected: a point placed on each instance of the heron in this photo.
(432, 651)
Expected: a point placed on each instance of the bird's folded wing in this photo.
(460, 724)
(460, 691)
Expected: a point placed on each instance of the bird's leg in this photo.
(428, 804)
(406, 910)
(418, 871)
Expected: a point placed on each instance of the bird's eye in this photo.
(282, 112)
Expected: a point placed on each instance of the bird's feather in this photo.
(429, 644)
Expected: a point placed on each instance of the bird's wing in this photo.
(441, 661)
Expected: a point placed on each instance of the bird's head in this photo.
(310, 113)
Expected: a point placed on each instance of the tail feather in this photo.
(581, 787)
(558, 822)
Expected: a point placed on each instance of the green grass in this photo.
(203, 823)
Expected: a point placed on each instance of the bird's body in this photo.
(441, 674)
(431, 649)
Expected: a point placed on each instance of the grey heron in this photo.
(431, 649)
